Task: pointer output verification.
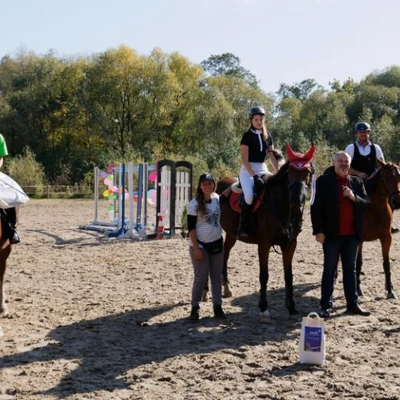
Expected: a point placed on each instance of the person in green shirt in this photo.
(9, 215)
(3, 149)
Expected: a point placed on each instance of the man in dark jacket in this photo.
(336, 219)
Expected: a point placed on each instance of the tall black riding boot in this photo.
(243, 232)
(11, 215)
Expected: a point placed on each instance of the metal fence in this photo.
(59, 191)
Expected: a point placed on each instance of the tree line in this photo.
(77, 112)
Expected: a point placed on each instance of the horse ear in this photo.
(310, 153)
(290, 152)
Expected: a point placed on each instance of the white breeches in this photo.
(247, 181)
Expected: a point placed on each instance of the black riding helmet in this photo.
(256, 111)
(206, 177)
(362, 126)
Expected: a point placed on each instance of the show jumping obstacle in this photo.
(173, 187)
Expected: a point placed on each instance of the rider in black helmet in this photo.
(256, 143)
(364, 153)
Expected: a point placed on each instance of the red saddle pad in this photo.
(234, 201)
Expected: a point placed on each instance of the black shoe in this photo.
(14, 237)
(355, 309)
(394, 230)
(218, 312)
(325, 312)
(242, 234)
(194, 314)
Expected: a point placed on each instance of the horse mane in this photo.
(372, 184)
(280, 177)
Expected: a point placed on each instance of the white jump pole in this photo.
(96, 194)
(131, 231)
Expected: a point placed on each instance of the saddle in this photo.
(236, 197)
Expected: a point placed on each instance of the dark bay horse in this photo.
(5, 250)
(277, 221)
(384, 192)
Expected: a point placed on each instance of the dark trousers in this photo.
(347, 248)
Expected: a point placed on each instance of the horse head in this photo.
(390, 178)
(300, 171)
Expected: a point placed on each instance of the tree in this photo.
(300, 90)
(229, 65)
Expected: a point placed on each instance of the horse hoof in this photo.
(391, 295)
(265, 317)
(4, 311)
(227, 292)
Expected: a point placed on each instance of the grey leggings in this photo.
(210, 265)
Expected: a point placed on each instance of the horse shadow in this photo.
(106, 348)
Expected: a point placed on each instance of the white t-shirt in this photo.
(364, 151)
(208, 228)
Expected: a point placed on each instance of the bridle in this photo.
(288, 228)
(389, 196)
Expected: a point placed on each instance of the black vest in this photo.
(366, 164)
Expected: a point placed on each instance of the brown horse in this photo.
(277, 221)
(384, 192)
(5, 250)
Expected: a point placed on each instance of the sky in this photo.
(279, 41)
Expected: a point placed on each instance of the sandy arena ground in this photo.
(97, 318)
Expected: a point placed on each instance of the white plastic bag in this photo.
(312, 340)
(11, 194)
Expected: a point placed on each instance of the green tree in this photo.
(299, 90)
(229, 65)
(27, 171)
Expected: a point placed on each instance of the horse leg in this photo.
(229, 243)
(359, 263)
(4, 253)
(287, 255)
(386, 243)
(204, 298)
(263, 255)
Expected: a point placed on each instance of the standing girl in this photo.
(254, 146)
(206, 245)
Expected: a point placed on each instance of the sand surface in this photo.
(98, 318)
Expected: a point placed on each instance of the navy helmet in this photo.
(256, 111)
(362, 126)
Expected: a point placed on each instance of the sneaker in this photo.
(194, 314)
(394, 230)
(219, 312)
(242, 234)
